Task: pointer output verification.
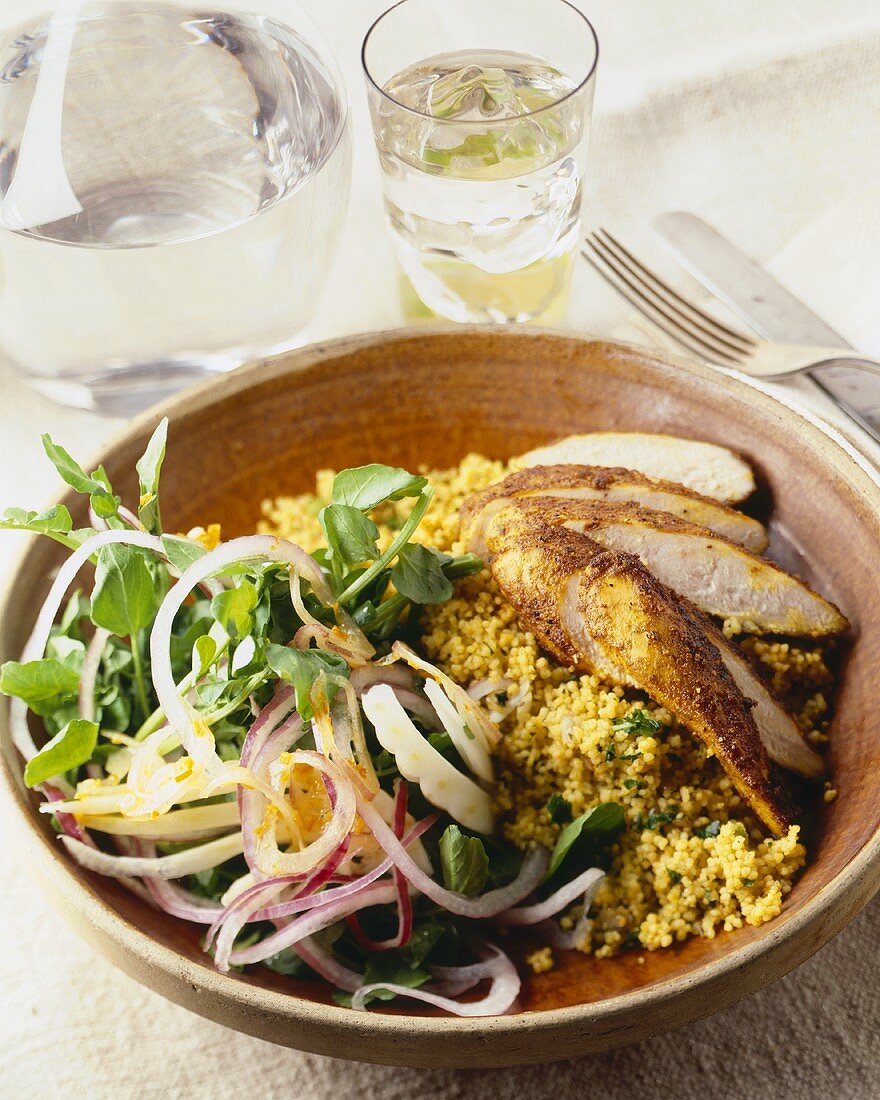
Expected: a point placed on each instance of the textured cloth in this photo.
(761, 117)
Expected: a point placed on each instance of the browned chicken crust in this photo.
(607, 483)
(721, 577)
(579, 598)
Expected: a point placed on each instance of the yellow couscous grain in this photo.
(692, 860)
(541, 961)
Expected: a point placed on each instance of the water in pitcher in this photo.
(171, 184)
(483, 158)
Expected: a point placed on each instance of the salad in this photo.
(247, 735)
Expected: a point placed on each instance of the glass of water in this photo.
(173, 177)
(481, 112)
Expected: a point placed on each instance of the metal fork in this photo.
(697, 331)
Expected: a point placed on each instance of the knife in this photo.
(771, 310)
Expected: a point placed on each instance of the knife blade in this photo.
(771, 310)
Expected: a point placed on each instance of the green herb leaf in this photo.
(418, 575)
(69, 749)
(351, 535)
(559, 809)
(148, 467)
(674, 876)
(464, 861)
(54, 522)
(598, 826)
(204, 652)
(103, 501)
(366, 487)
(124, 599)
(638, 722)
(43, 685)
(390, 967)
(182, 552)
(710, 830)
(233, 608)
(301, 668)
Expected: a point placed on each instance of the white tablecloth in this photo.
(760, 116)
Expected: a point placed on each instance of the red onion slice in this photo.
(404, 901)
(499, 999)
(330, 969)
(487, 905)
(377, 893)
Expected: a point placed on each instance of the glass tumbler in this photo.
(173, 178)
(481, 114)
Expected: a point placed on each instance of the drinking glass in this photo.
(173, 178)
(481, 114)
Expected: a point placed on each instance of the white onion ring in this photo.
(585, 884)
(91, 664)
(195, 736)
(36, 643)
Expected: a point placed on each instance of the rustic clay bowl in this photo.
(430, 396)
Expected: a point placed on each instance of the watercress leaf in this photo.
(351, 535)
(103, 500)
(301, 668)
(559, 809)
(286, 962)
(69, 749)
(599, 826)
(365, 487)
(76, 609)
(43, 685)
(395, 969)
(104, 504)
(418, 575)
(182, 552)
(100, 475)
(54, 521)
(464, 862)
(70, 651)
(148, 467)
(69, 469)
(124, 599)
(233, 608)
(203, 654)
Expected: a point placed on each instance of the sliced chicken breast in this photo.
(582, 600)
(719, 576)
(607, 484)
(704, 467)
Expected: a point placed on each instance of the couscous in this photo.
(692, 860)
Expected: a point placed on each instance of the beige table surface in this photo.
(761, 115)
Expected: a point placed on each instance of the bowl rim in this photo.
(848, 892)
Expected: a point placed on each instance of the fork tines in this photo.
(692, 327)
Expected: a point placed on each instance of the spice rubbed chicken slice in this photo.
(601, 610)
(703, 467)
(601, 483)
(717, 575)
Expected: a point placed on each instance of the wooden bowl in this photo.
(430, 396)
